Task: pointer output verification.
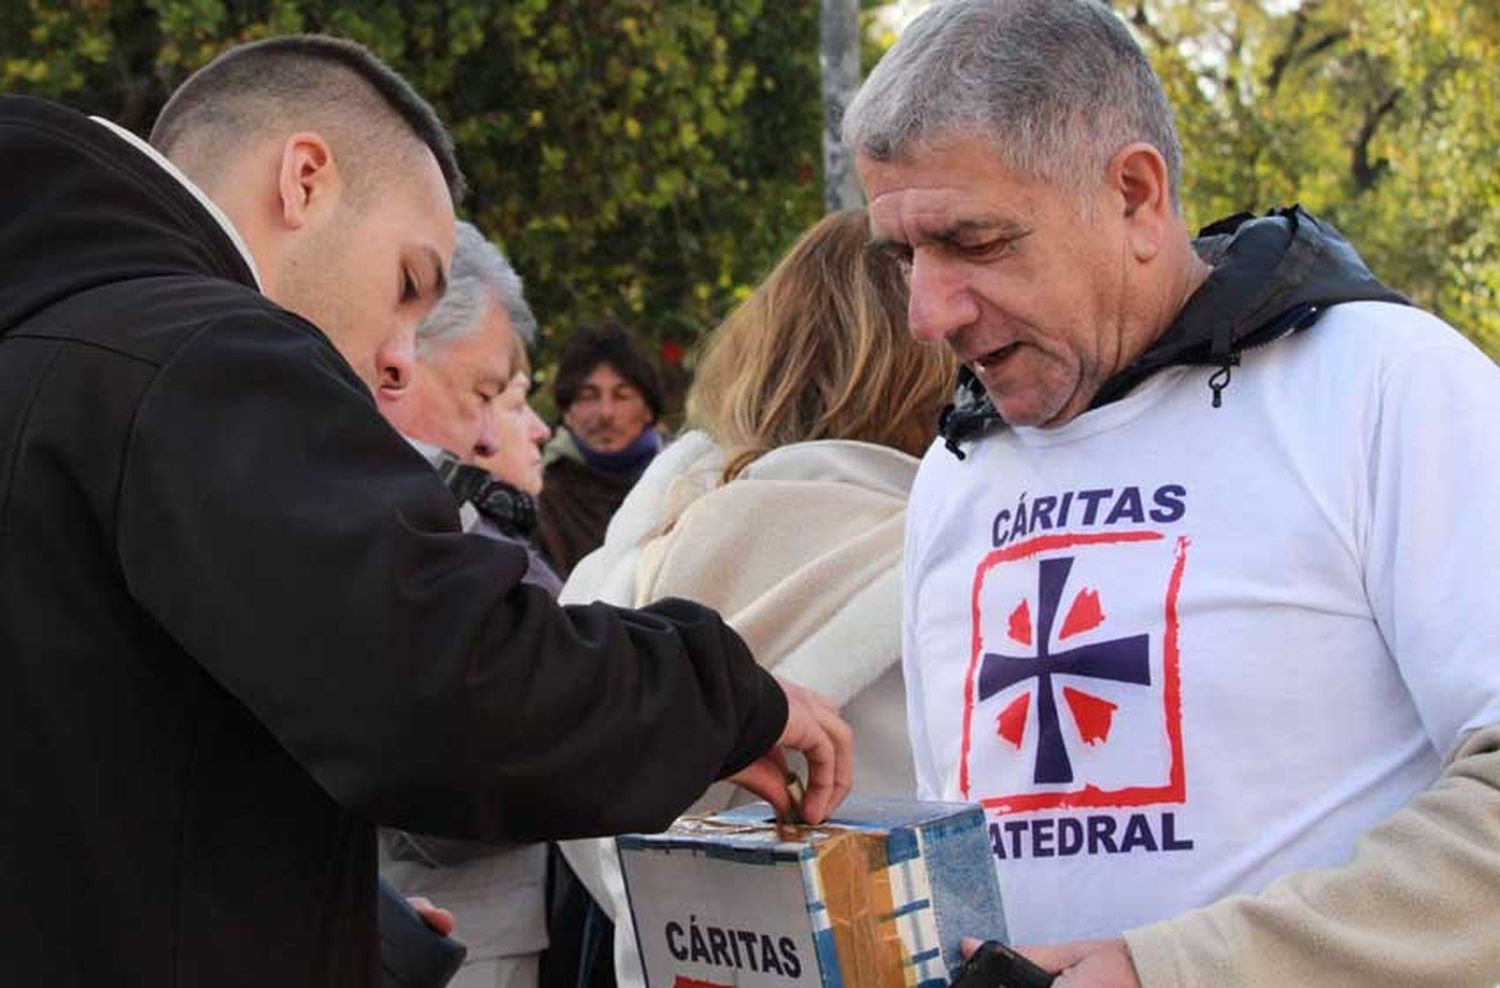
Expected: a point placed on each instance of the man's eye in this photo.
(986, 249)
(409, 291)
(1000, 246)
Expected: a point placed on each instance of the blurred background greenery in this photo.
(650, 159)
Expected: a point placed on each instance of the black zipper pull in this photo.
(1220, 379)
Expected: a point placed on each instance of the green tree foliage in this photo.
(1377, 115)
(642, 160)
(651, 158)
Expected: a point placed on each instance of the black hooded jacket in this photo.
(1272, 276)
(239, 626)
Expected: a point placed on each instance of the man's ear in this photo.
(1138, 175)
(309, 182)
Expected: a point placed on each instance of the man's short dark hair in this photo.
(331, 83)
(608, 344)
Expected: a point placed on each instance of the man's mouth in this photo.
(992, 360)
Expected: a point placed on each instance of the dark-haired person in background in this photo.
(239, 625)
(609, 395)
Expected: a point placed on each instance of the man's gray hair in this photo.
(1058, 86)
(480, 278)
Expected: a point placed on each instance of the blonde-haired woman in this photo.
(784, 507)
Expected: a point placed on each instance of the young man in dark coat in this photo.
(238, 623)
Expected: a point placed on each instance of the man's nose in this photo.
(940, 300)
(395, 362)
(487, 442)
(539, 431)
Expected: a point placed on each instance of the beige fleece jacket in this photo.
(802, 556)
(1417, 906)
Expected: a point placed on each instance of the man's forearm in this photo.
(1416, 905)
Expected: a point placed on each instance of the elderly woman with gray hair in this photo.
(466, 398)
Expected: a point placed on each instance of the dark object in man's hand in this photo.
(994, 965)
(412, 954)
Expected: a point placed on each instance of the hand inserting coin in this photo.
(796, 791)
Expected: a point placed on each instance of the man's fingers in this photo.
(830, 780)
(766, 777)
(821, 772)
(1052, 959)
(822, 701)
(815, 728)
(1058, 957)
(436, 917)
(1095, 963)
(822, 756)
(843, 742)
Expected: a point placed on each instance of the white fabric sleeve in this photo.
(1432, 533)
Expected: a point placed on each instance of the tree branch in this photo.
(1144, 24)
(1283, 58)
(1324, 43)
(1293, 52)
(1364, 172)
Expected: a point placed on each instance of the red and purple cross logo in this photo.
(1086, 705)
(1124, 660)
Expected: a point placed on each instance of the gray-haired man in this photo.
(465, 346)
(464, 351)
(1197, 603)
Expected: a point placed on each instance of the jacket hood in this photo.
(81, 208)
(1272, 276)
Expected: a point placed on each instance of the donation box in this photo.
(877, 897)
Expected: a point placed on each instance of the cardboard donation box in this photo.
(878, 897)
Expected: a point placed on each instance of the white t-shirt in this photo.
(1178, 651)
